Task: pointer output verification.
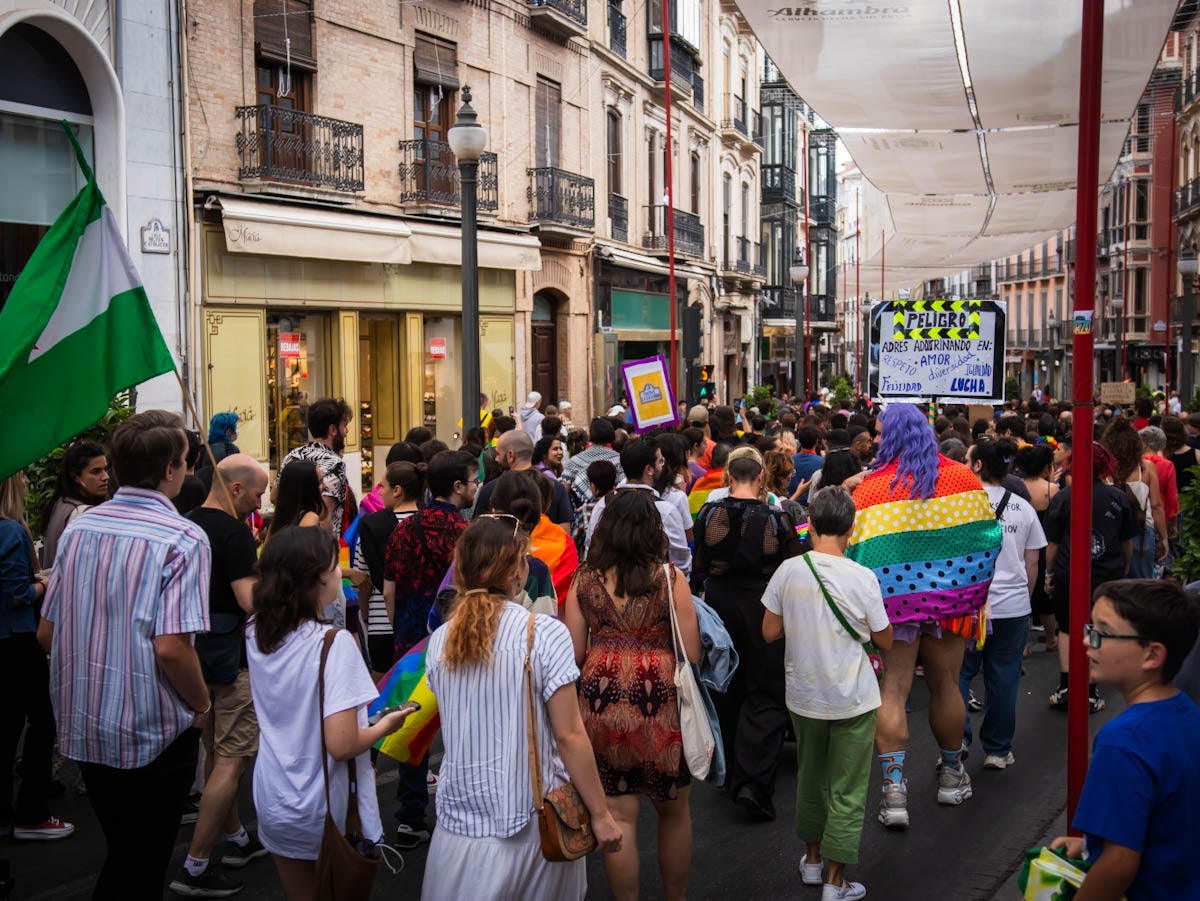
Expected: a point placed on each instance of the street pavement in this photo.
(968, 853)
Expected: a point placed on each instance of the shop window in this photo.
(442, 391)
(298, 373)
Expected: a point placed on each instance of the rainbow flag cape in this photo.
(934, 558)
(554, 547)
(701, 489)
(406, 681)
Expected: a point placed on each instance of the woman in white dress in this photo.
(486, 844)
(298, 575)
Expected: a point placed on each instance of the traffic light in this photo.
(706, 386)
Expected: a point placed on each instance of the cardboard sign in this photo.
(940, 350)
(651, 400)
(437, 348)
(289, 345)
(1119, 393)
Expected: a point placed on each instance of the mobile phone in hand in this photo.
(408, 706)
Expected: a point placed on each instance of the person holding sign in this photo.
(927, 530)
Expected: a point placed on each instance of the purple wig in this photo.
(908, 441)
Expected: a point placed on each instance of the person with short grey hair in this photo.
(824, 606)
(954, 449)
(1154, 439)
(1154, 446)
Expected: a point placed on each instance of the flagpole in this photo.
(217, 474)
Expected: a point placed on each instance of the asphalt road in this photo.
(968, 853)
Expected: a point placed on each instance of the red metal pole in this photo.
(1090, 71)
(667, 175)
(807, 282)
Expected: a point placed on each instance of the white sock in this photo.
(240, 838)
(195, 866)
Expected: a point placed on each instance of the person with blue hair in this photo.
(222, 430)
(926, 528)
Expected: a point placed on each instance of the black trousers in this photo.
(753, 712)
(139, 814)
(24, 670)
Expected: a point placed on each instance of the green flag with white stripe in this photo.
(77, 329)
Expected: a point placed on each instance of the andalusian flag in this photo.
(77, 329)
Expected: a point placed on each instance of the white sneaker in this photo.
(847, 891)
(954, 787)
(893, 806)
(996, 762)
(810, 873)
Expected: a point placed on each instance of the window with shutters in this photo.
(435, 62)
(548, 123)
(614, 151)
(695, 182)
(283, 32)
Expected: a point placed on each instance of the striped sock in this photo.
(952, 760)
(893, 768)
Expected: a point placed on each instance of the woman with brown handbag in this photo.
(487, 845)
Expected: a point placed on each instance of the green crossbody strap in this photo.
(832, 606)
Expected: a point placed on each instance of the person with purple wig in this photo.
(926, 529)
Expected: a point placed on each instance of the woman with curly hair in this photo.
(927, 530)
(1140, 479)
(618, 612)
(1114, 526)
(486, 843)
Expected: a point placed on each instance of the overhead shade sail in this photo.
(961, 114)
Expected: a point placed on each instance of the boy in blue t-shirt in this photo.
(1140, 808)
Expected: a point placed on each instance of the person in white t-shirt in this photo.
(298, 575)
(1008, 603)
(831, 686)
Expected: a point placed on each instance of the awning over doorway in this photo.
(280, 229)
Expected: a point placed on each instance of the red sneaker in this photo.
(51, 830)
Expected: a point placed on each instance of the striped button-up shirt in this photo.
(484, 786)
(130, 570)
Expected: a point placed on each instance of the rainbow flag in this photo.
(934, 558)
(701, 489)
(554, 547)
(406, 681)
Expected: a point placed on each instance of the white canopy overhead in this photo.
(961, 112)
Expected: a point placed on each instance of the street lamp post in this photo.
(1188, 266)
(467, 139)
(1118, 308)
(799, 273)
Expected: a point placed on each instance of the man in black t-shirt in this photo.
(231, 733)
(514, 452)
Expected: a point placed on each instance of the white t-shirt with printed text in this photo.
(1008, 595)
(826, 672)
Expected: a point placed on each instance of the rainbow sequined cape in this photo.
(934, 558)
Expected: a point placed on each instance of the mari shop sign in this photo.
(937, 349)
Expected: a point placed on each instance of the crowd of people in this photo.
(814, 561)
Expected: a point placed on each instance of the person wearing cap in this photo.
(697, 418)
(530, 417)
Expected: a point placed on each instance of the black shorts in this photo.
(1042, 603)
(1060, 601)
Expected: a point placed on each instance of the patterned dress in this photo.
(627, 690)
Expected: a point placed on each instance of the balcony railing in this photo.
(737, 116)
(689, 232)
(756, 129)
(618, 215)
(288, 145)
(683, 66)
(1187, 198)
(749, 258)
(821, 209)
(561, 197)
(822, 308)
(429, 174)
(616, 30)
(759, 267)
(778, 183)
(565, 18)
(779, 301)
(697, 91)
(743, 255)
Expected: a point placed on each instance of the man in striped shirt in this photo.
(600, 438)
(129, 589)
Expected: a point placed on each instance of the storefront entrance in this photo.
(297, 374)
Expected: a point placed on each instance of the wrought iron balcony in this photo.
(822, 308)
(429, 174)
(1187, 198)
(759, 267)
(779, 302)
(821, 209)
(561, 198)
(286, 145)
(616, 30)
(683, 66)
(689, 232)
(756, 129)
(737, 116)
(564, 18)
(743, 255)
(779, 184)
(697, 91)
(618, 217)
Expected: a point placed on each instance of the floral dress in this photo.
(627, 689)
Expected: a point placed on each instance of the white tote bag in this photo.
(698, 738)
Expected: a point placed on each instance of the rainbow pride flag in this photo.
(554, 547)
(406, 681)
(934, 558)
(702, 488)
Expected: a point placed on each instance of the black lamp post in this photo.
(798, 272)
(1188, 266)
(467, 139)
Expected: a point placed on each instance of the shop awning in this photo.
(497, 250)
(961, 115)
(281, 229)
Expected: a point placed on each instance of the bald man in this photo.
(231, 734)
(514, 452)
